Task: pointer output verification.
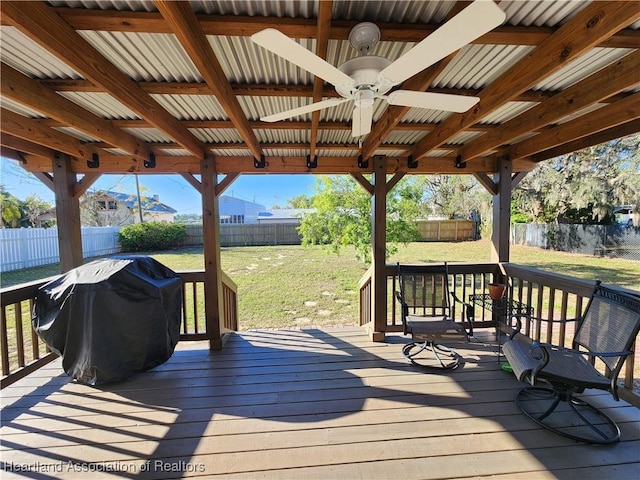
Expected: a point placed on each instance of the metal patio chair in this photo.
(427, 315)
(606, 332)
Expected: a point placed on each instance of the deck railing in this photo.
(551, 295)
(22, 352)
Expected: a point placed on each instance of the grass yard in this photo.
(286, 286)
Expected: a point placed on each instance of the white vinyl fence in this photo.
(30, 247)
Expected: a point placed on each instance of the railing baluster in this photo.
(19, 333)
(194, 295)
(4, 342)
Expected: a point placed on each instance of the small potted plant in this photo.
(497, 290)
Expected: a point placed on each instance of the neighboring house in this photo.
(236, 210)
(284, 215)
(106, 208)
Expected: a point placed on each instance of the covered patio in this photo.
(180, 88)
(299, 404)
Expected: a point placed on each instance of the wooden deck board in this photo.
(298, 404)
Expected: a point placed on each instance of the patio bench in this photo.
(606, 332)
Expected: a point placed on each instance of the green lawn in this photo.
(284, 286)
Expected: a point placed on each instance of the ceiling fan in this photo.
(365, 78)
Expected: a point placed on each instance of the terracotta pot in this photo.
(496, 290)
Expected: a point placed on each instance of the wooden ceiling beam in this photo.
(35, 132)
(323, 24)
(24, 90)
(419, 82)
(615, 78)
(605, 118)
(619, 131)
(258, 90)
(238, 25)
(596, 22)
(25, 146)
(121, 164)
(185, 26)
(40, 22)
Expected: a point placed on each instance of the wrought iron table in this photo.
(501, 310)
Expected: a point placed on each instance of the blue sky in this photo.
(174, 191)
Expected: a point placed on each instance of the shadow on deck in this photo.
(298, 404)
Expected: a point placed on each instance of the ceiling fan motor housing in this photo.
(364, 36)
(364, 72)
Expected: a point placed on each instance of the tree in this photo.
(32, 207)
(455, 195)
(300, 201)
(10, 209)
(343, 216)
(582, 184)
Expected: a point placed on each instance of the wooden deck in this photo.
(298, 404)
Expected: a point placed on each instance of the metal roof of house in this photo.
(148, 204)
(553, 78)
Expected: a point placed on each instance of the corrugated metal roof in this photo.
(152, 57)
(475, 66)
(404, 137)
(152, 135)
(101, 104)
(580, 113)
(223, 152)
(464, 137)
(213, 135)
(245, 62)
(261, 8)
(19, 52)
(192, 107)
(175, 152)
(133, 5)
(19, 108)
(283, 136)
(424, 115)
(540, 13)
(342, 137)
(506, 112)
(77, 134)
(385, 11)
(346, 152)
(581, 67)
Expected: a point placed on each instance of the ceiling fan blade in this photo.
(362, 118)
(474, 21)
(436, 101)
(277, 42)
(294, 112)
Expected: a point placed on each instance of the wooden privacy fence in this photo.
(447, 230)
(249, 234)
(31, 247)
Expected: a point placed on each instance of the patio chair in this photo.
(427, 315)
(606, 332)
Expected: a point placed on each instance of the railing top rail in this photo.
(559, 281)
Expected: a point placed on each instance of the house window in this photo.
(231, 219)
(107, 205)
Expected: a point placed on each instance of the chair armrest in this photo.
(469, 312)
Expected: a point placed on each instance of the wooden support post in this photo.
(500, 237)
(379, 239)
(67, 213)
(211, 238)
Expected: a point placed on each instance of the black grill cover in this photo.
(111, 318)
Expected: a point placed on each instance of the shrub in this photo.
(150, 236)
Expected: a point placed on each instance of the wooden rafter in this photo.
(29, 92)
(285, 125)
(604, 118)
(259, 90)
(41, 23)
(619, 131)
(152, 22)
(25, 146)
(597, 21)
(607, 82)
(33, 131)
(322, 42)
(184, 25)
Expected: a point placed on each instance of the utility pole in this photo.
(139, 201)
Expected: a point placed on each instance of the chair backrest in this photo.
(425, 289)
(610, 324)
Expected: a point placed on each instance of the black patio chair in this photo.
(427, 315)
(606, 331)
